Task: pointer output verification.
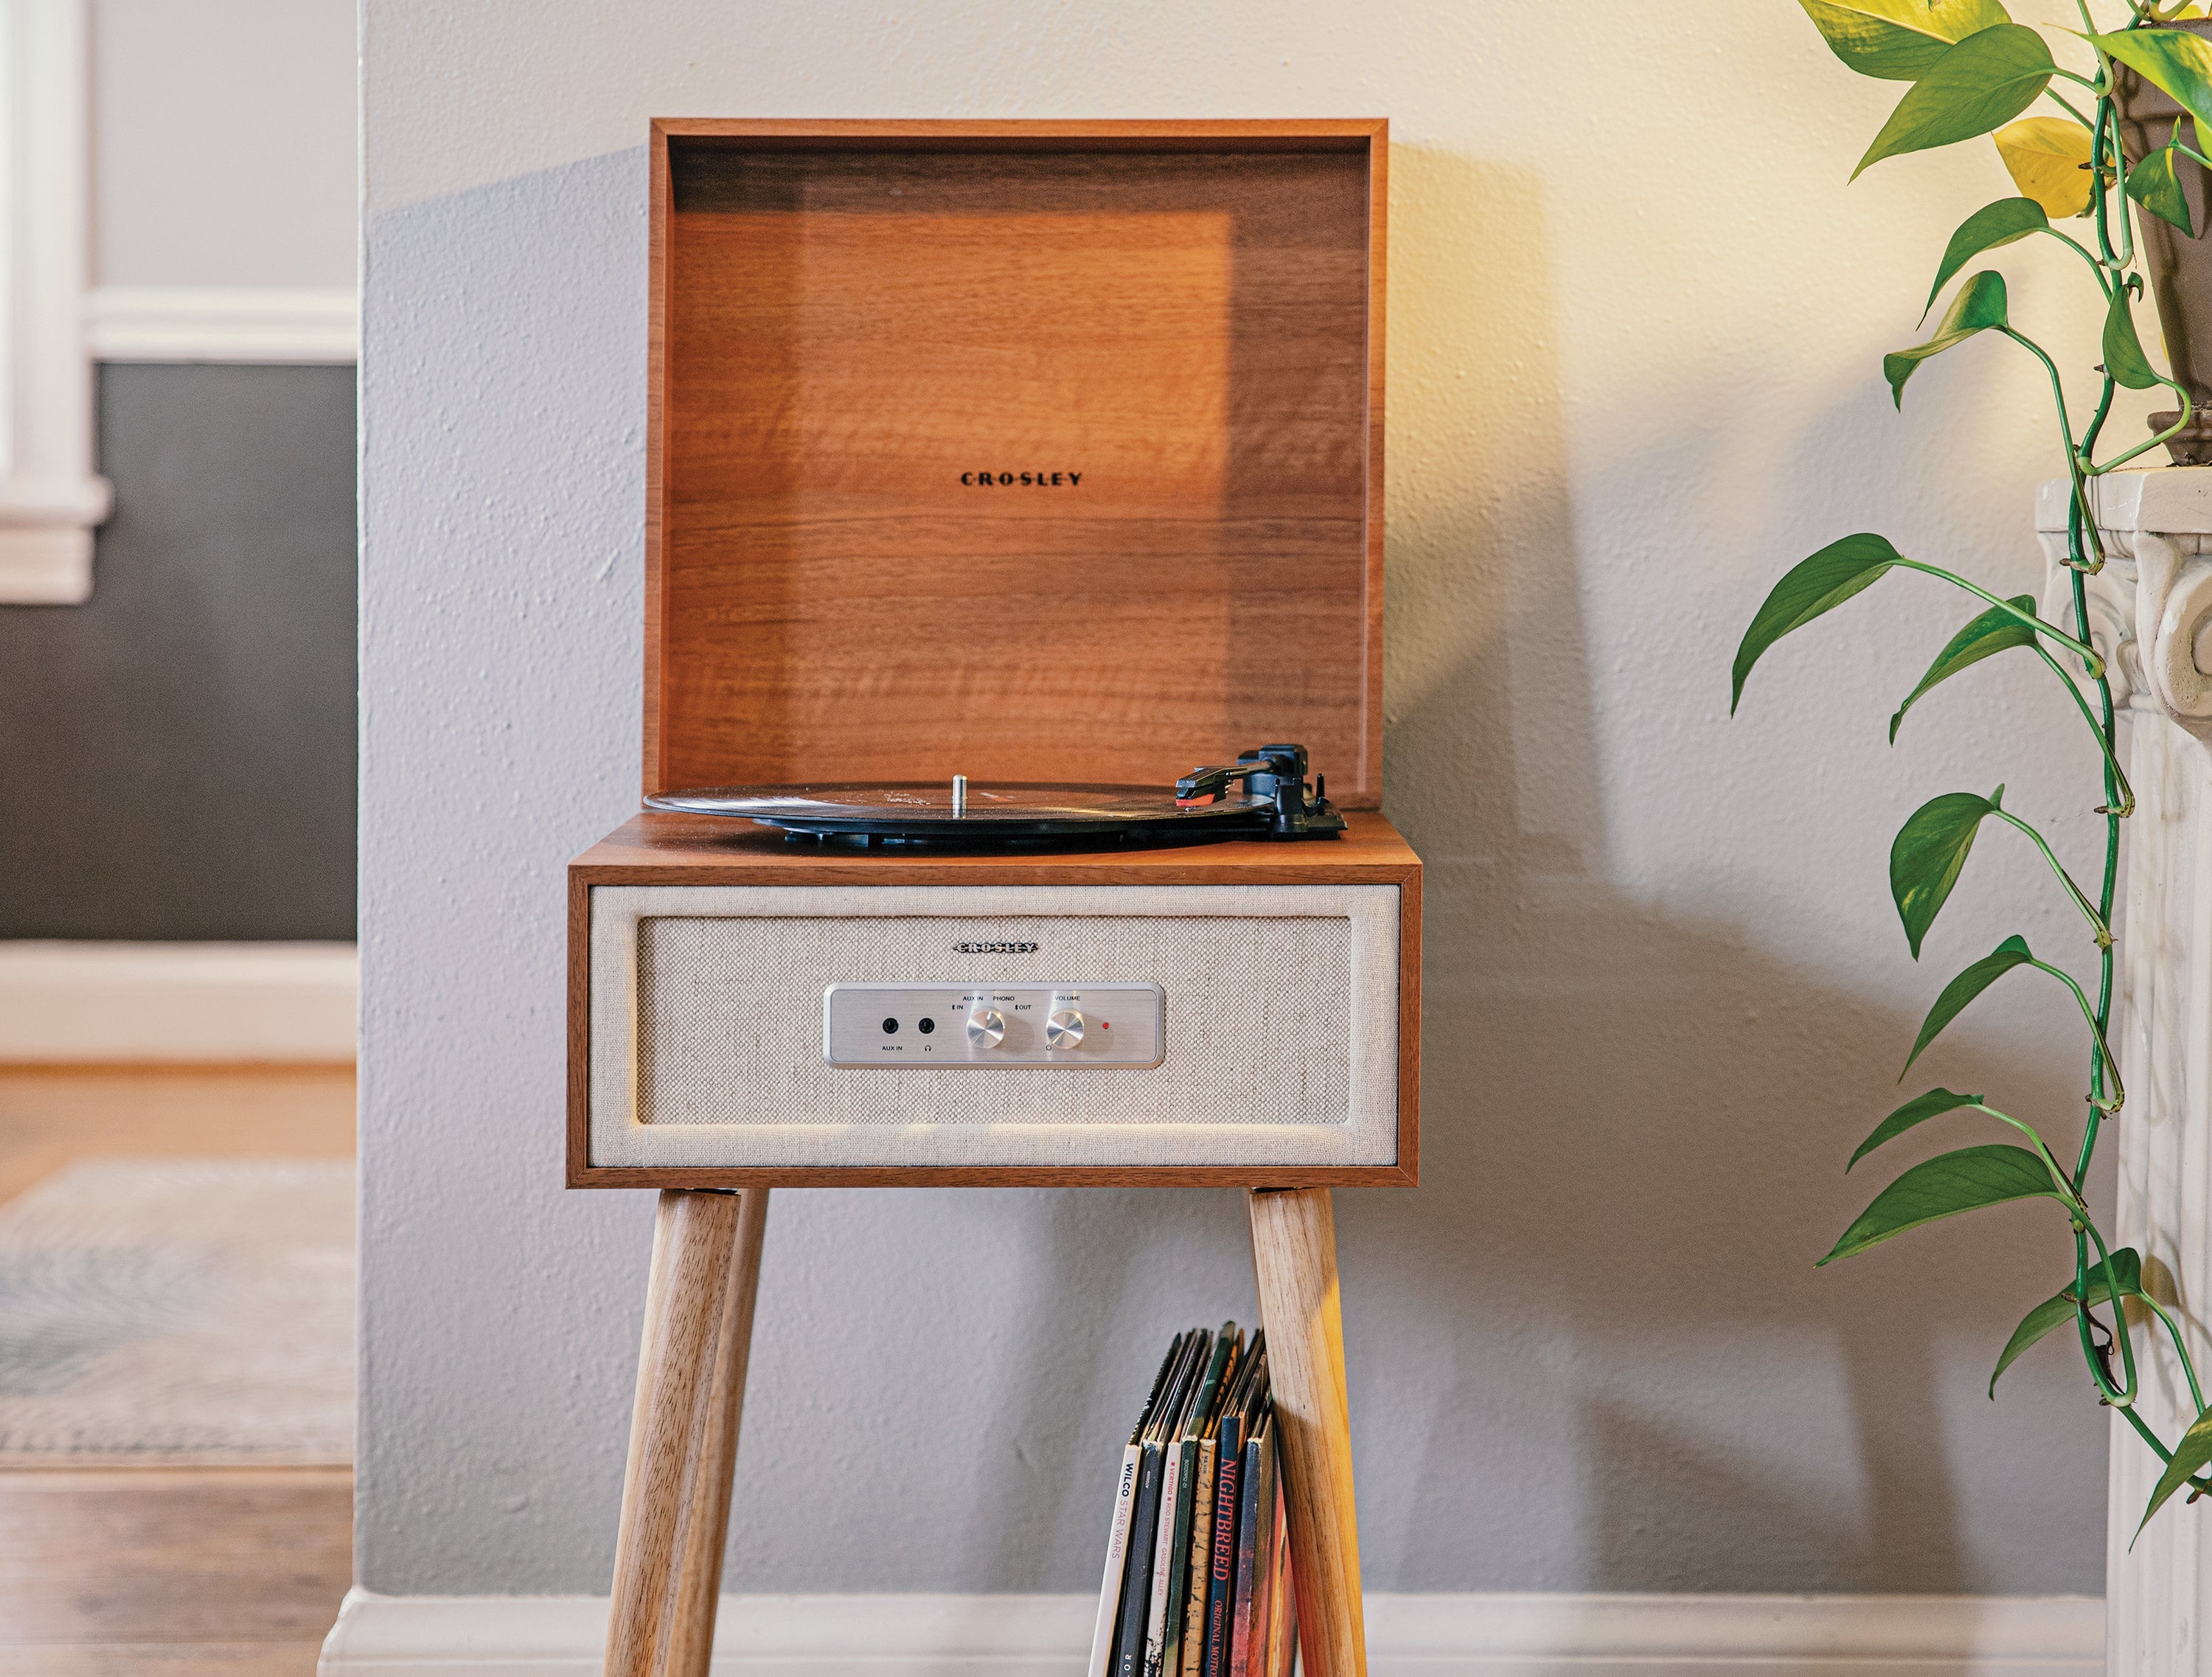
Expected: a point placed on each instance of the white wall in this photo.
(223, 143)
(1635, 324)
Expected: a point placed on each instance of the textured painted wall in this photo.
(180, 750)
(1636, 321)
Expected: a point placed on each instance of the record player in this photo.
(997, 472)
(997, 475)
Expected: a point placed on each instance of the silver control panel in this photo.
(931, 1027)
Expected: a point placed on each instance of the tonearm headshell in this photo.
(1277, 774)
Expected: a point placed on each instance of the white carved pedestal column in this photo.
(2150, 617)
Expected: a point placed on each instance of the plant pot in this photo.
(2179, 266)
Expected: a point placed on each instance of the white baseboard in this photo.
(1407, 1636)
(78, 1002)
(222, 322)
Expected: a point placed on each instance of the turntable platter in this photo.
(1263, 794)
(984, 813)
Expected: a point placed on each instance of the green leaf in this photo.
(2126, 1271)
(2175, 61)
(1814, 585)
(1988, 227)
(2124, 353)
(2012, 953)
(2192, 1455)
(1979, 304)
(1898, 39)
(1943, 1187)
(2126, 1266)
(1918, 1110)
(1981, 83)
(2155, 184)
(2033, 1326)
(1925, 857)
(1995, 631)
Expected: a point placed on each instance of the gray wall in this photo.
(1633, 375)
(223, 143)
(180, 750)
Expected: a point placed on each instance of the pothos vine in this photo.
(1973, 71)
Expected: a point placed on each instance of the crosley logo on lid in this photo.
(994, 949)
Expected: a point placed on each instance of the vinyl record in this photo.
(940, 812)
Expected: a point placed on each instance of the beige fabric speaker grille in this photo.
(1280, 1026)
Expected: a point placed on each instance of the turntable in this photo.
(996, 473)
(902, 729)
(1276, 802)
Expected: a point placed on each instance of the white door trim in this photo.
(50, 496)
(212, 323)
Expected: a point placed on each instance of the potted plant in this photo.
(2119, 158)
(2177, 256)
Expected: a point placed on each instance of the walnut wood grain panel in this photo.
(653, 849)
(1378, 202)
(842, 331)
(1409, 1025)
(997, 1175)
(579, 1150)
(1026, 134)
(656, 451)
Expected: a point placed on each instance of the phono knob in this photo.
(986, 1028)
(1064, 1029)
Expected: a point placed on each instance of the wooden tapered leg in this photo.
(1294, 1256)
(683, 1432)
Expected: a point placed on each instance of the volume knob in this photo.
(1064, 1030)
(986, 1028)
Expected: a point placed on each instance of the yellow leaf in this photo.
(2047, 158)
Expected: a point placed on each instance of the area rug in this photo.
(179, 1312)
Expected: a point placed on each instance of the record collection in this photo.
(1198, 1578)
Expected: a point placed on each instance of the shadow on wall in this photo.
(1588, 1353)
(1591, 1352)
(1629, 1162)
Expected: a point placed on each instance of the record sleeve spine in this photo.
(1221, 1580)
(1201, 1562)
(1117, 1549)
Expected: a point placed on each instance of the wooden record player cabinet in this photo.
(1033, 451)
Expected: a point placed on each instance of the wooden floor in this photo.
(182, 1572)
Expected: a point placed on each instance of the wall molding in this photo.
(178, 323)
(49, 496)
(1408, 1636)
(107, 1003)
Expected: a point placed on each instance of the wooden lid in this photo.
(1024, 451)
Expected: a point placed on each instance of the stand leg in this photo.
(1294, 1256)
(683, 1432)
